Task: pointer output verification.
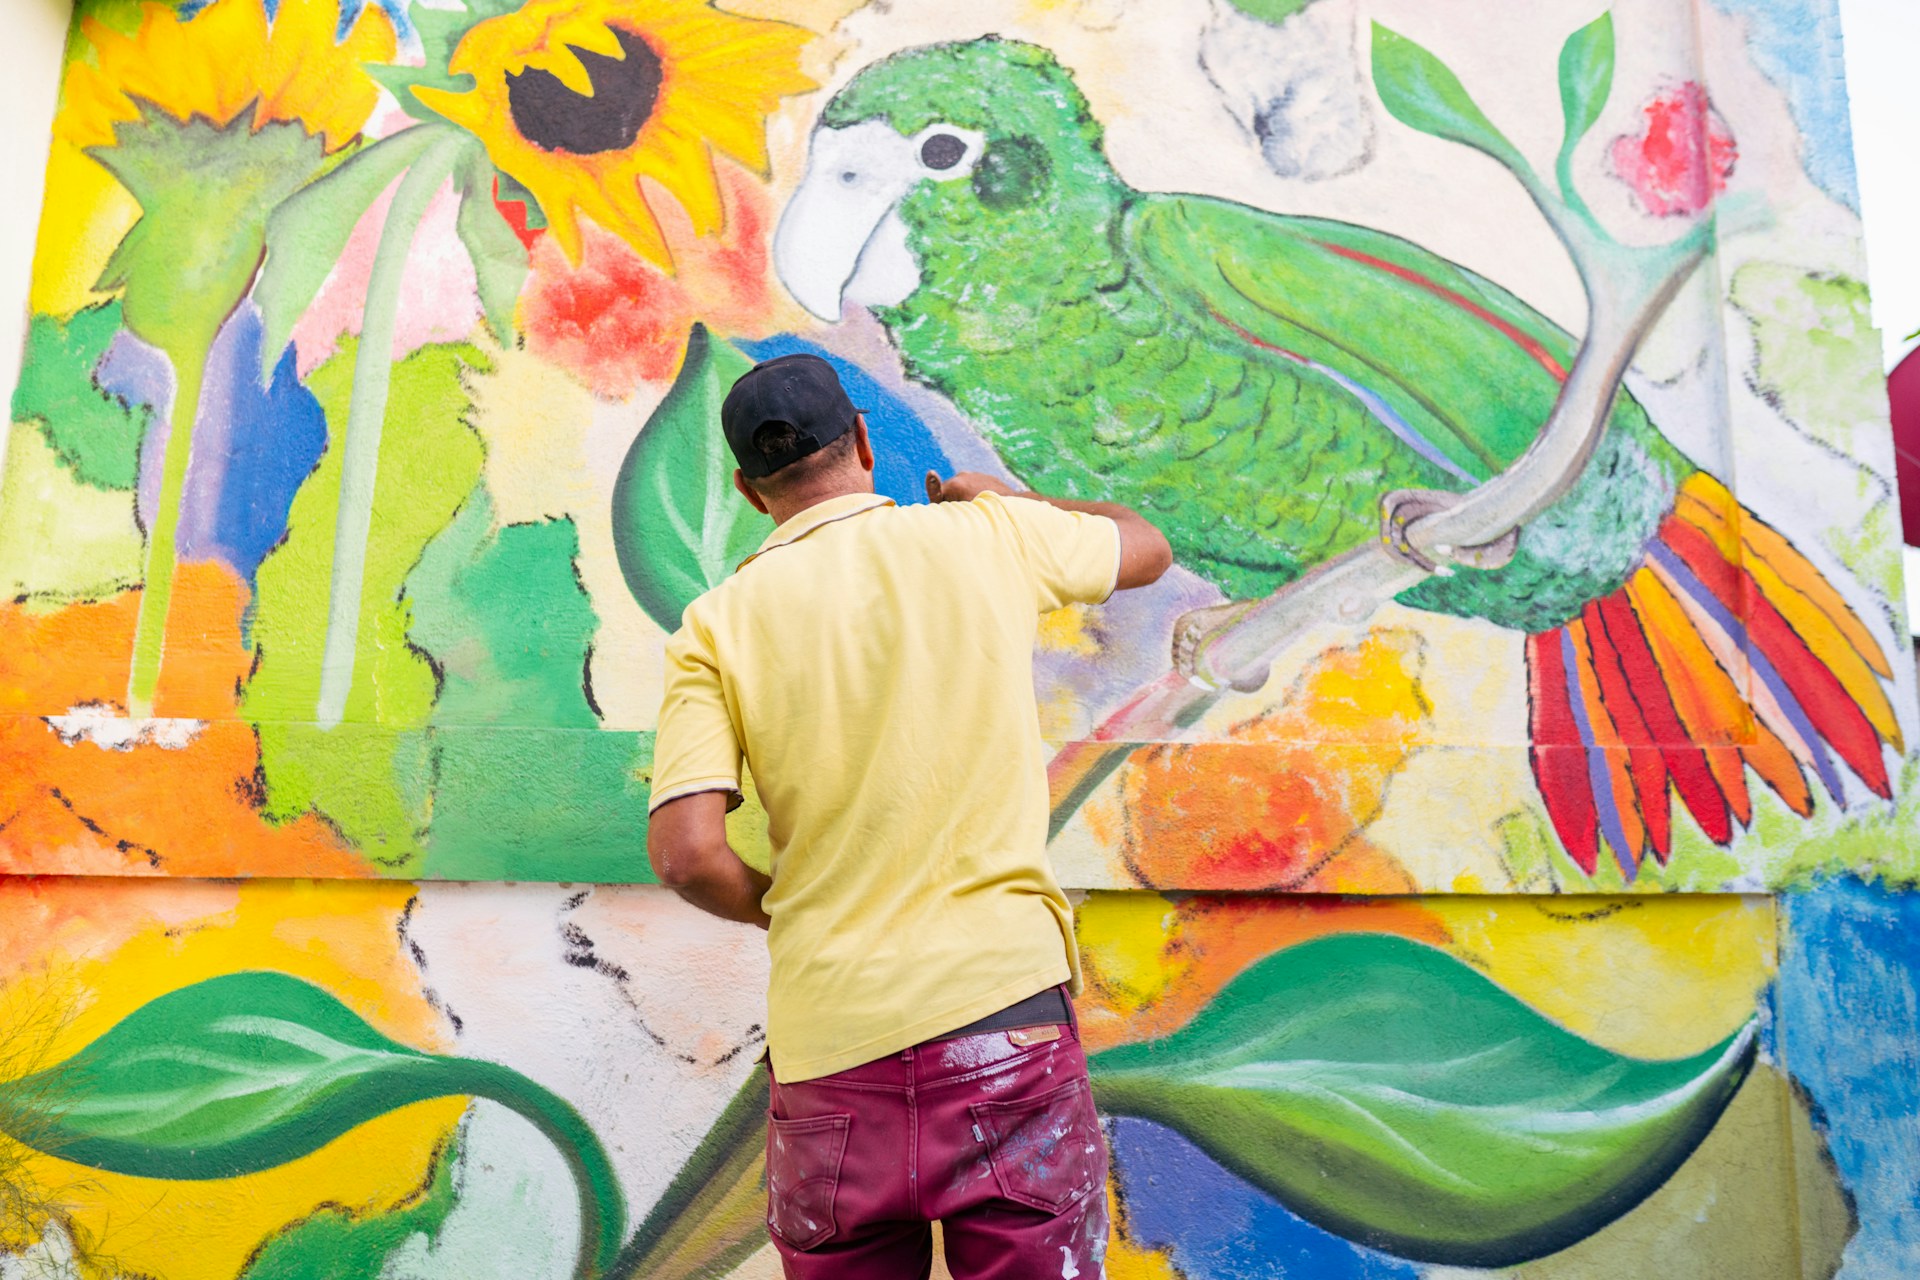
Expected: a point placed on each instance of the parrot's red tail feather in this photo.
(1726, 651)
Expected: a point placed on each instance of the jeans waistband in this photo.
(1036, 1010)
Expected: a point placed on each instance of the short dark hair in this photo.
(774, 438)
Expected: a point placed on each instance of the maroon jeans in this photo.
(993, 1136)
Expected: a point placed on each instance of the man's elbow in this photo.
(677, 865)
(1147, 555)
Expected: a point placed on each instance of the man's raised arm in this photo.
(1144, 552)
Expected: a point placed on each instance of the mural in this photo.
(1490, 837)
(329, 1078)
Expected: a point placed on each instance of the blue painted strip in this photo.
(1400, 427)
(1599, 777)
(1790, 705)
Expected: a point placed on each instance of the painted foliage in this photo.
(441, 1079)
(398, 461)
(1504, 386)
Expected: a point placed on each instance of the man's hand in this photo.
(1144, 552)
(965, 486)
(687, 846)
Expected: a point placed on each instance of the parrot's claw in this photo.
(1192, 630)
(1401, 508)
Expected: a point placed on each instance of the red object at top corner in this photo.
(1903, 389)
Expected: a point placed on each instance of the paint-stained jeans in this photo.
(994, 1139)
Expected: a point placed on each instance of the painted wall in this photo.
(1508, 870)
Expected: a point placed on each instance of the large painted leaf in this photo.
(1422, 93)
(308, 232)
(248, 1071)
(1389, 1093)
(678, 525)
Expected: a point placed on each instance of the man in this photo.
(873, 665)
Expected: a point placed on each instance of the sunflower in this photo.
(224, 59)
(577, 100)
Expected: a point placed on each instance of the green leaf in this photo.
(96, 435)
(308, 232)
(441, 30)
(678, 525)
(1391, 1094)
(1586, 78)
(205, 194)
(1423, 94)
(499, 259)
(367, 776)
(248, 1071)
(502, 615)
(1273, 12)
(335, 1241)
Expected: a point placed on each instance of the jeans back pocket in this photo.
(803, 1173)
(1045, 1150)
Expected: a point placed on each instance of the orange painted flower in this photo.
(1282, 802)
(225, 59)
(579, 100)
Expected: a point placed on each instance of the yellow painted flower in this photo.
(580, 99)
(225, 59)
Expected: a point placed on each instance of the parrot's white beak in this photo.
(840, 239)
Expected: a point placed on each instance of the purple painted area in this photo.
(140, 374)
(252, 444)
(1599, 776)
(1763, 669)
(1216, 1226)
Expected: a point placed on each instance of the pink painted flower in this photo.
(1683, 156)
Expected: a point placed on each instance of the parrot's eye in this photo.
(942, 151)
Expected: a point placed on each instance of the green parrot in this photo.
(1257, 383)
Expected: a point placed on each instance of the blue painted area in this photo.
(904, 449)
(350, 11)
(1216, 1226)
(1796, 45)
(274, 435)
(253, 445)
(1847, 1009)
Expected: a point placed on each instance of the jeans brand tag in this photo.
(1033, 1035)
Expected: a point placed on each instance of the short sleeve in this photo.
(695, 748)
(1073, 557)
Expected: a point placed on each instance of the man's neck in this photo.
(789, 505)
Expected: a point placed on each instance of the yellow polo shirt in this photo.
(873, 664)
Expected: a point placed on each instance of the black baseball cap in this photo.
(801, 391)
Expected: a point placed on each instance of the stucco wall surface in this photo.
(1492, 845)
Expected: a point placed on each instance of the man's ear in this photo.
(747, 492)
(861, 445)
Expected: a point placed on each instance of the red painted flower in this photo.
(1683, 156)
(617, 320)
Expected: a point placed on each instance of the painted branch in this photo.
(1239, 652)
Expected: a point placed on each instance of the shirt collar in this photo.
(799, 526)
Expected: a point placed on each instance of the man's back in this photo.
(874, 663)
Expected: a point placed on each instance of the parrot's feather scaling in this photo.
(1257, 383)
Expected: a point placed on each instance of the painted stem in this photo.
(603, 1214)
(366, 417)
(156, 595)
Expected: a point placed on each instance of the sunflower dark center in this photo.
(555, 118)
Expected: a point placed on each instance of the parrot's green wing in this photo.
(1452, 363)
